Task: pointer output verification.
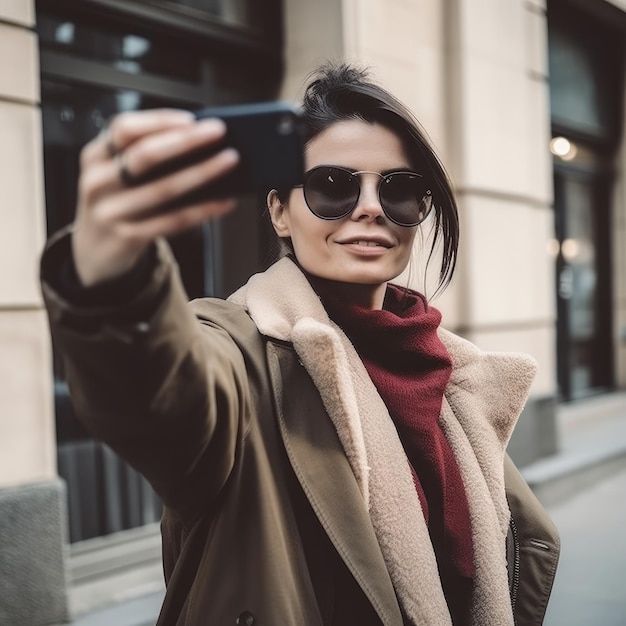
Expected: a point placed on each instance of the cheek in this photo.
(406, 236)
(306, 230)
(309, 238)
(407, 243)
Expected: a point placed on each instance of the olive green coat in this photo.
(259, 433)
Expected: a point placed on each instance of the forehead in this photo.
(357, 145)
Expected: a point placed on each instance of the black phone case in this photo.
(270, 140)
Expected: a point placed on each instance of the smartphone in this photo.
(269, 137)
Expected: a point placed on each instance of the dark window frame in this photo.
(171, 18)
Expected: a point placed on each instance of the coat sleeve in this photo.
(168, 394)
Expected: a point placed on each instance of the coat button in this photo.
(245, 619)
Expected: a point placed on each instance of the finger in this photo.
(137, 202)
(127, 127)
(159, 149)
(98, 180)
(111, 175)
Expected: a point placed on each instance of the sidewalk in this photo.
(592, 446)
(589, 587)
(142, 611)
(584, 489)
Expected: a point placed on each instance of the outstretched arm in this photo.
(168, 396)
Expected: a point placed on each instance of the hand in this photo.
(115, 222)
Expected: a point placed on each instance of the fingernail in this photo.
(184, 116)
(212, 126)
(230, 155)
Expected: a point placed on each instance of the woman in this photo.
(325, 453)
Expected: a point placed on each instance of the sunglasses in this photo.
(332, 192)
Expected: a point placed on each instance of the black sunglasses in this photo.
(332, 192)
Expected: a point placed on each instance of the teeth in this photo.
(367, 243)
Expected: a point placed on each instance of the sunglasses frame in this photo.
(356, 201)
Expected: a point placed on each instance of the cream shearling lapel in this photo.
(492, 386)
(483, 400)
(484, 397)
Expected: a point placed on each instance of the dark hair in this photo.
(339, 92)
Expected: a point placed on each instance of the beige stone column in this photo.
(31, 498)
(401, 41)
(503, 172)
(313, 35)
(26, 422)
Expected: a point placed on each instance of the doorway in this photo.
(586, 69)
(583, 274)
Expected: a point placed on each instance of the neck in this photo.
(365, 296)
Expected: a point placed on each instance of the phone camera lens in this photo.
(285, 125)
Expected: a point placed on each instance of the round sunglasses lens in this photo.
(405, 198)
(330, 193)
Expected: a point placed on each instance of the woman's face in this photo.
(364, 249)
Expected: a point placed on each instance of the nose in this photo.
(368, 206)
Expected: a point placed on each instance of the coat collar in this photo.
(496, 381)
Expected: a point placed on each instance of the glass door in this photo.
(583, 277)
(586, 70)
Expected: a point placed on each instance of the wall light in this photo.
(563, 148)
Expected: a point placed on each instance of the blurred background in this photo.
(524, 102)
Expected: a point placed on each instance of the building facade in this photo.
(524, 108)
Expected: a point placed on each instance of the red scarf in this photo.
(410, 367)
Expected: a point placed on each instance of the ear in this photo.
(278, 214)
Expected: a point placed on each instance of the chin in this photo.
(370, 275)
(363, 278)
